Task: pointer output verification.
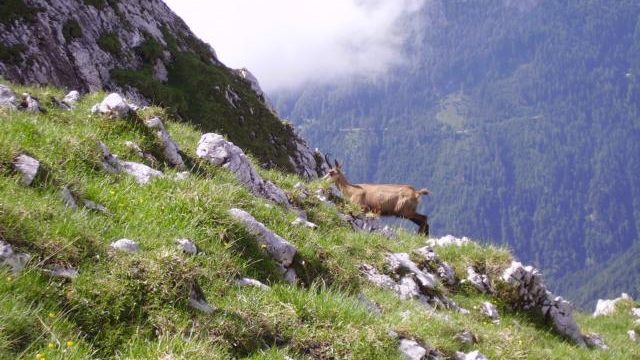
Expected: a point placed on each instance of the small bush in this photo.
(11, 55)
(71, 30)
(149, 50)
(110, 43)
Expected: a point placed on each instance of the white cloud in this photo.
(286, 43)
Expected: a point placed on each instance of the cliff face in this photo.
(143, 49)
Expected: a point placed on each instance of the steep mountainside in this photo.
(523, 118)
(143, 49)
(110, 248)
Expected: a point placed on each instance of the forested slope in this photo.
(522, 117)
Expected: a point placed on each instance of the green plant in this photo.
(110, 42)
(71, 30)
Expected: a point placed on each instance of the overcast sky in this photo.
(286, 43)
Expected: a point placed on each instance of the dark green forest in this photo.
(523, 119)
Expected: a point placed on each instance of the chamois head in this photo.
(335, 174)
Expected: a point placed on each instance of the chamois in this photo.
(382, 199)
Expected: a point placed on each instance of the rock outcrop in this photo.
(141, 172)
(10, 258)
(170, 149)
(28, 167)
(608, 307)
(282, 251)
(218, 151)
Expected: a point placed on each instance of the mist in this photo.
(289, 43)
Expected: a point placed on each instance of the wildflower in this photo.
(52, 315)
(39, 356)
(69, 343)
(51, 345)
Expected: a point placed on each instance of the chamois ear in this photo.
(338, 165)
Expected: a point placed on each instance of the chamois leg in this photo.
(421, 221)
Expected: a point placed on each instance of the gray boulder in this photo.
(466, 337)
(401, 263)
(27, 166)
(198, 301)
(594, 340)
(299, 221)
(218, 151)
(65, 272)
(7, 98)
(142, 173)
(169, 147)
(527, 291)
(112, 106)
(633, 336)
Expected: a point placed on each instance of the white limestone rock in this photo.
(633, 336)
(198, 301)
(27, 166)
(113, 106)
(160, 72)
(636, 312)
(7, 98)
(280, 249)
(448, 240)
(411, 350)
(594, 340)
(65, 272)
(302, 222)
(12, 259)
(251, 282)
(72, 98)
(29, 104)
(608, 307)
(142, 173)
(401, 263)
(489, 310)
(218, 151)
(169, 147)
(529, 292)
(187, 246)
(68, 198)
(125, 245)
(474, 355)
(377, 278)
(480, 281)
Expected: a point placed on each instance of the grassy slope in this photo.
(134, 306)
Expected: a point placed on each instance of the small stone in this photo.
(479, 281)
(94, 206)
(198, 301)
(170, 148)
(7, 98)
(489, 310)
(8, 257)
(251, 282)
(474, 355)
(181, 176)
(28, 167)
(411, 350)
(466, 337)
(71, 98)
(68, 198)
(632, 335)
(187, 246)
(371, 305)
(29, 104)
(65, 272)
(125, 245)
(635, 312)
(594, 340)
(303, 222)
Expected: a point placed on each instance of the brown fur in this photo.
(383, 199)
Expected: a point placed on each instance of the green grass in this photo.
(134, 306)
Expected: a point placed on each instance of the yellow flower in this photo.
(51, 345)
(52, 315)
(39, 356)
(69, 343)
